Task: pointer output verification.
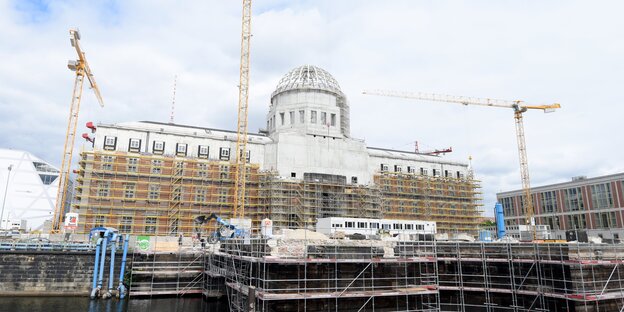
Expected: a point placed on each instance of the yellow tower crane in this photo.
(243, 101)
(82, 69)
(519, 107)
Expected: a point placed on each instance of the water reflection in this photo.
(37, 304)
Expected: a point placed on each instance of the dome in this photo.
(307, 77)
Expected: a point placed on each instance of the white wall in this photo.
(27, 198)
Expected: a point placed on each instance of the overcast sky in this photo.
(570, 52)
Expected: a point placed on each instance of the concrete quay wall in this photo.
(49, 273)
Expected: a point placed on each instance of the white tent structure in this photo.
(28, 188)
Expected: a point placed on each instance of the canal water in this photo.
(80, 304)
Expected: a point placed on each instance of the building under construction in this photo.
(306, 271)
(154, 178)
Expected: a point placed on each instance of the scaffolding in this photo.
(328, 275)
(298, 203)
(309, 274)
(452, 202)
(168, 274)
(157, 195)
(530, 277)
(141, 193)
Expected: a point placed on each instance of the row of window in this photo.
(602, 197)
(125, 224)
(132, 165)
(181, 149)
(423, 171)
(375, 225)
(271, 123)
(153, 192)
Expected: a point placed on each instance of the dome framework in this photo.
(308, 77)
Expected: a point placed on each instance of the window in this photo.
(47, 179)
(202, 151)
(448, 174)
(158, 147)
(576, 222)
(100, 221)
(349, 224)
(181, 149)
(282, 119)
(508, 206)
(385, 226)
(154, 192)
(302, 116)
(324, 118)
(397, 168)
(292, 118)
(361, 225)
(411, 169)
(409, 226)
(601, 196)
(384, 168)
(134, 145)
(103, 189)
(224, 153)
(133, 164)
(424, 171)
(202, 170)
(353, 180)
(293, 174)
(150, 225)
(107, 162)
(436, 172)
(125, 224)
(313, 117)
(156, 166)
(200, 195)
(129, 190)
(573, 199)
(397, 226)
(605, 220)
(548, 202)
(223, 195)
(374, 225)
(247, 156)
(110, 143)
(460, 175)
(224, 172)
(333, 120)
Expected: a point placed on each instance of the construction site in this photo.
(307, 271)
(301, 216)
(152, 194)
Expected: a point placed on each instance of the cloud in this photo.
(542, 52)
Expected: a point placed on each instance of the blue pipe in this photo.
(121, 289)
(103, 260)
(111, 278)
(95, 267)
(500, 221)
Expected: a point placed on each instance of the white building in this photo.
(152, 177)
(30, 195)
(308, 131)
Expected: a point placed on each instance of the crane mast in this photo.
(82, 69)
(243, 101)
(519, 109)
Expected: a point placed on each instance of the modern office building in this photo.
(151, 177)
(592, 204)
(28, 189)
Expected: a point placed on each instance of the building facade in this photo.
(28, 189)
(592, 204)
(150, 177)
